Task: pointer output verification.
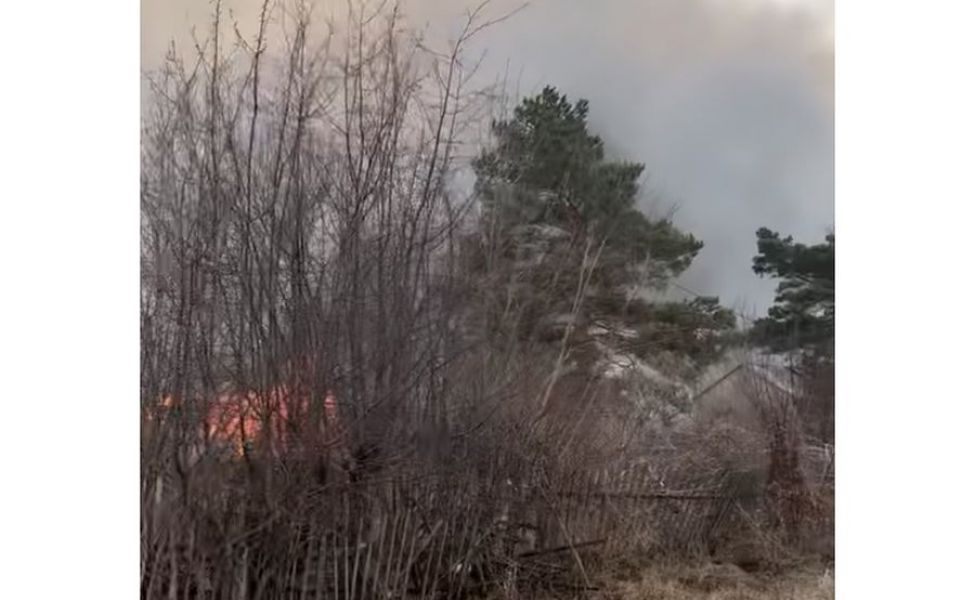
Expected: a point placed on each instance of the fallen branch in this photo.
(562, 548)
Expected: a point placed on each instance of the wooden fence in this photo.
(440, 537)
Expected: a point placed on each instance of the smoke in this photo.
(728, 102)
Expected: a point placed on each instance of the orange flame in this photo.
(240, 419)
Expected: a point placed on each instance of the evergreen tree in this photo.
(550, 196)
(802, 317)
(546, 168)
(801, 321)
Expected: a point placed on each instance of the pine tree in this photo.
(551, 199)
(802, 317)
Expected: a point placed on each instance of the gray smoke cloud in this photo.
(728, 102)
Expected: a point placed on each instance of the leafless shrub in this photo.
(798, 489)
(301, 241)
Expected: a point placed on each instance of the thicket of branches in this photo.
(301, 233)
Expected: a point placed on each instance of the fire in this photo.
(240, 419)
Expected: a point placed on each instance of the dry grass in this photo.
(719, 582)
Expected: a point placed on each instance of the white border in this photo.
(69, 304)
(69, 112)
(905, 128)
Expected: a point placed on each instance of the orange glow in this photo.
(239, 419)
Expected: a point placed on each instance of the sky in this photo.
(729, 103)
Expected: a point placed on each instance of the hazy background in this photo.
(728, 102)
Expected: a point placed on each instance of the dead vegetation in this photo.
(811, 581)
